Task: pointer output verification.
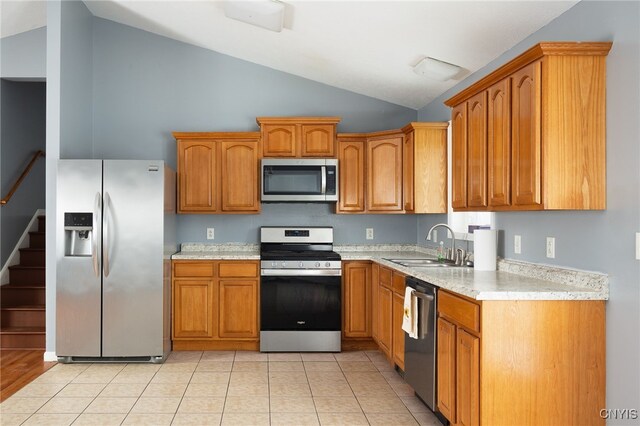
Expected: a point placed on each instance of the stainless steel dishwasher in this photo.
(420, 353)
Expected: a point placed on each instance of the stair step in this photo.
(23, 308)
(36, 239)
(23, 316)
(32, 257)
(30, 275)
(41, 223)
(22, 338)
(23, 294)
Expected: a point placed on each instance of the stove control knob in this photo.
(301, 264)
(317, 264)
(284, 264)
(274, 264)
(327, 264)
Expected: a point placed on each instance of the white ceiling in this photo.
(366, 47)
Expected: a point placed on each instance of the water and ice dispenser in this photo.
(78, 230)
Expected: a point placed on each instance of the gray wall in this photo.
(24, 55)
(597, 240)
(146, 86)
(69, 116)
(22, 133)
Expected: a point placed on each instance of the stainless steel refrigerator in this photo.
(115, 229)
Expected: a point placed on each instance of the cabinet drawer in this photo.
(385, 276)
(238, 269)
(465, 313)
(193, 269)
(398, 283)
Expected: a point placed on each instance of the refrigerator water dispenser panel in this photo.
(78, 232)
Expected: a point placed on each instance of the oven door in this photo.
(300, 303)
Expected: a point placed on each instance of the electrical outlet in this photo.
(551, 247)
(637, 245)
(369, 233)
(210, 233)
(517, 244)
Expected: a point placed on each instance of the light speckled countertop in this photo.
(514, 280)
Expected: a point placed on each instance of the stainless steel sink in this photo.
(424, 263)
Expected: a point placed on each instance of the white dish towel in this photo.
(410, 315)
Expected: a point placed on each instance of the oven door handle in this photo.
(300, 272)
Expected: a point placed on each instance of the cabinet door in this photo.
(193, 308)
(499, 136)
(398, 332)
(384, 174)
(477, 151)
(459, 156)
(385, 320)
(238, 309)
(240, 177)
(408, 172)
(197, 176)
(468, 379)
(318, 140)
(278, 140)
(526, 127)
(351, 164)
(446, 348)
(357, 299)
(375, 283)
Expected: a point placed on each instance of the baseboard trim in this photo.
(50, 356)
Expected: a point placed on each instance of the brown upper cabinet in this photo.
(218, 172)
(395, 171)
(298, 136)
(531, 135)
(384, 173)
(425, 167)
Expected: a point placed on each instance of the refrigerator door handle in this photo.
(94, 235)
(105, 236)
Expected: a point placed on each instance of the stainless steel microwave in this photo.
(299, 179)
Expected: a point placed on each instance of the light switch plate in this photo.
(369, 233)
(517, 244)
(551, 247)
(210, 233)
(434, 235)
(637, 245)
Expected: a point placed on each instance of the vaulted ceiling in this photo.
(368, 47)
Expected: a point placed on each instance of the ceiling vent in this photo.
(267, 14)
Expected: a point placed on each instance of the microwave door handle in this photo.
(323, 172)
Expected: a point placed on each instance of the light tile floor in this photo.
(228, 388)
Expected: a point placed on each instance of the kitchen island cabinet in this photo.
(520, 362)
(215, 304)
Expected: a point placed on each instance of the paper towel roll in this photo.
(484, 249)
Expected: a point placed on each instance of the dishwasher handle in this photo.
(424, 313)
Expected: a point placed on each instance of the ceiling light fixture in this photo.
(436, 69)
(268, 14)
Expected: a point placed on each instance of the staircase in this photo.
(22, 307)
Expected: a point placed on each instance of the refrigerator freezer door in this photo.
(78, 287)
(133, 255)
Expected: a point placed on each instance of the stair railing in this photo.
(24, 174)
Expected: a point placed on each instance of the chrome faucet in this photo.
(453, 238)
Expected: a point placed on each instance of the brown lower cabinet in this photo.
(388, 309)
(524, 362)
(215, 304)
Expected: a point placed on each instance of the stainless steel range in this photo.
(300, 290)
